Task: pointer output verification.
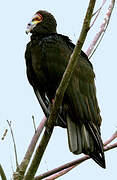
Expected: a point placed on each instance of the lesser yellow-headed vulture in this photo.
(47, 55)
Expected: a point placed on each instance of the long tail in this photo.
(86, 139)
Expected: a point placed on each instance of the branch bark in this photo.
(60, 93)
(2, 173)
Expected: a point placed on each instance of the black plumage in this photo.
(47, 56)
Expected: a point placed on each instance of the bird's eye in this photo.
(35, 19)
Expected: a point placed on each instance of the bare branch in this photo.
(61, 173)
(5, 133)
(99, 35)
(2, 174)
(34, 123)
(97, 13)
(108, 141)
(106, 148)
(63, 167)
(15, 150)
(23, 166)
(109, 147)
(69, 166)
(60, 93)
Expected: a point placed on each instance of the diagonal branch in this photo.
(108, 141)
(60, 93)
(23, 166)
(60, 173)
(2, 173)
(97, 13)
(34, 123)
(4, 135)
(60, 168)
(57, 172)
(99, 35)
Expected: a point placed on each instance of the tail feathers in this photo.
(98, 154)
(85, 139)
(96, 136)
(99, 159)
(74, 137)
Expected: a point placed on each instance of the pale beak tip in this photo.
(26, 32)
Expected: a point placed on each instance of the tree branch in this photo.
(4, 135)
(60, 168)
(34, 123)
(99, 35)
(18, 175)
(60, 93)
(108, 141)
(57, 172)
(2, 174)
(97, 13)
(60, 173)
(9, 123)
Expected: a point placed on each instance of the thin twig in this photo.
(5, 133)
(60, 168)
(60, 93)
(98, 13)
(98, 37)
(67, 167)
(15, 150)
(61, 173)
(109, 147)
(34, 123)
(2, 173)
(23, 166)
(108, 141)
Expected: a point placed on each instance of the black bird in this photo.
(47, 55)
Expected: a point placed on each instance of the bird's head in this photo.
(42, 22)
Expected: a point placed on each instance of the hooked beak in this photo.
(30, 26)
(37, 18)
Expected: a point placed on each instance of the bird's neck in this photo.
(38, 37)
